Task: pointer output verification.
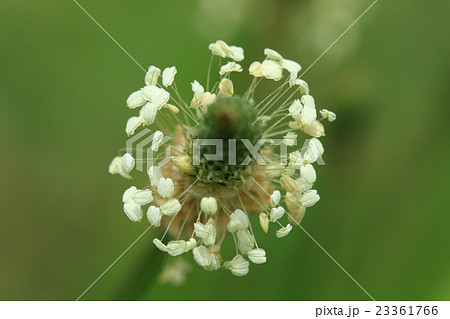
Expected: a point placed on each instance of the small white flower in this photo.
(128, 194)
(272, 54)
(154, 216)
(165, 187)
(316, 129)
(215, 263)
(206, 232)
(160, 245)
(133, 199)
(284, 231)
(276, 213)
(230, 67)
(257, 256)
(290, 139)
(331, 116)
(154, 174)
(208, 205)
(216, 50)
(255, 69)
(275, 198)
(143, 197)
(208, 98)
(197, 87)
(152, 75)
(303, 184)
(308, 173)
(246, 241)
(122, 165)
(231, 51)
(136, 99)
(238, 266)
(222, 49)
(237, 53)
(295, 108)
(148, 112)
(203, 100)
(264, 222)
(304, 88)
(168, 76)
(309, 198)
(272, 70)
(190, 244)
(176, 247)
(140, 197)
(308, 100)
(293, 68)
(127, 163)
(296, 160)
(133, 123)
(158, 96)
(115, 165)
(308, 115)
(238, 221)
(157, 140)
(226, 88)
(172, 206)
(202, 256)
(133, 211)
(313, 151)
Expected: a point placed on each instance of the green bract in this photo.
(230, 120)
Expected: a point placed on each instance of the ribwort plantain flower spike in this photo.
(222, 156)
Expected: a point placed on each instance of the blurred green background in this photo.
(384, 213)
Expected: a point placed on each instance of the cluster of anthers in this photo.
(201, 195)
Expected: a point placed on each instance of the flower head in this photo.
(230, 156)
